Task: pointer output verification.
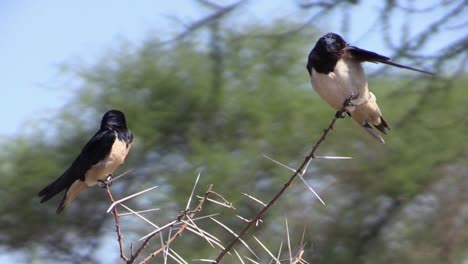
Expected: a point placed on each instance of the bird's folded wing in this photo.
(94, 151)
(365, 55)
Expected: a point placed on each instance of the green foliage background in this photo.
(195, 110)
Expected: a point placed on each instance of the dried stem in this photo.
(117, 225)
(186, 214)
(286, 185)
(140, 249)
(321, 139)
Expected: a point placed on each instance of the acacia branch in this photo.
(117, 226)
(186, 215)
(306, 161)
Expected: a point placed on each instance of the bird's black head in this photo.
(326, 52)
(331, 43)
(114, 119)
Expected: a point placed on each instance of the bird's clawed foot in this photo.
(107, 182)
(353, 100)
(339, 114)
(348, 103)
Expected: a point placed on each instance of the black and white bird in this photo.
(337, 76)
(99, 158)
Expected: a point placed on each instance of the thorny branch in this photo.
(117, 224)
(300, 170)
(185, 215)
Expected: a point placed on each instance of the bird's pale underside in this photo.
(337, 76)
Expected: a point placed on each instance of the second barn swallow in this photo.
(99, 158)
(338, 77)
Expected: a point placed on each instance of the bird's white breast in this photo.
(109, 164)
(348, 79)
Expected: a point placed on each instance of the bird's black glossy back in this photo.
(326, 53)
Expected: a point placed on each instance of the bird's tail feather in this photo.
(52, 189)
(61, 183)
(71, 194)
(373, 133)
(382, 126)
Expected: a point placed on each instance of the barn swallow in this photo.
(337, 76)
(99, 158)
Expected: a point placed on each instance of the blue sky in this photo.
(39, 36)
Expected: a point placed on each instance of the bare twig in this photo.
(114, 203)
(120, 176)
(190, 214)
(141, 212)
(117, 225)
(289, 239)
(234, 233)
(301, 174)
(307, 159)
(255, 199)
(194, 26)
(185, 219)
(119, 234)
(267, 250)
